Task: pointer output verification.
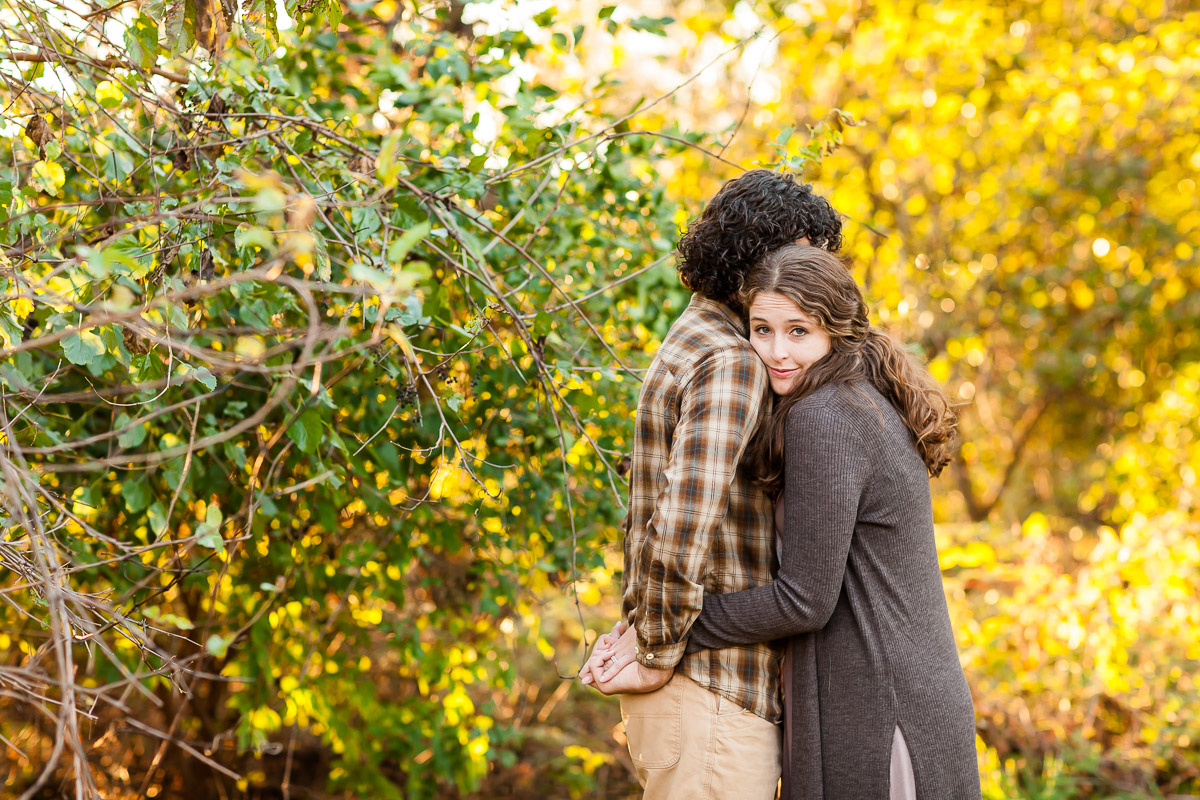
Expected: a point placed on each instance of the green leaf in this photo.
(11, 332)
(82, 348)
(182, 623)
(217, 645)
(306, 430)
(147, 367)
(411, 312)
(109, 94)
(413, 274)
(321, 257)
(389, 166)
(48, 177)
(407, 212)
(253, 237)
(235, 453)
(366, 222)
(303, 142)
(205, 376)
(123, 256)
(141, 39)
(12, 376)
(259, 26)
(211, 539)
(132, 437)
(378, 279)
(402, 246)
(266, 504)
(653, 25)
(114, 345)
(208, 533)
(158, 519)
(137, 494)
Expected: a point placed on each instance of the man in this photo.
(708, 726)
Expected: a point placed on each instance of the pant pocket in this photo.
(654, 726)
(731, 717)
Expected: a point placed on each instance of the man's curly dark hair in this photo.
(754, 214)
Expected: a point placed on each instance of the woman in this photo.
(877, 703)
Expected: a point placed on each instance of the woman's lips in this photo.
(782, 373)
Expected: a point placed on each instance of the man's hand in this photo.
(635, 679)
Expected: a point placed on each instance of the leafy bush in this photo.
(310, 369)
(1082, 654)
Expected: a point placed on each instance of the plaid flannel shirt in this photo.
(696, 522)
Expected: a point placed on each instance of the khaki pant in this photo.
(690, 743)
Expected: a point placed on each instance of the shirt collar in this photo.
(702, 303)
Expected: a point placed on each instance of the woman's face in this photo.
(785, 338)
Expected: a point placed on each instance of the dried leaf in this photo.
(217, 107)
(39, 131)
(207, 273)
(135, 344)
(173, 28)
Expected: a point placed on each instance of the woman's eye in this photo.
(762, 330)
(799, 332)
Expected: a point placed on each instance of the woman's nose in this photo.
(779, 349)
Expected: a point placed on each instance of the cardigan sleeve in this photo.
(825, 474)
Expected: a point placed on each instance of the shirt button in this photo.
(649, 656)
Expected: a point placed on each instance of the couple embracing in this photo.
(783, 612)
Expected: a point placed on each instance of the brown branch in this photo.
(981, 508)
(106, 63)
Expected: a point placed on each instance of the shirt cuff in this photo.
(663, 656)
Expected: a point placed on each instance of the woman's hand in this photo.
(605, 643)
(601, 652)
(615, 658)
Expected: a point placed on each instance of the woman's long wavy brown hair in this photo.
(821, 286)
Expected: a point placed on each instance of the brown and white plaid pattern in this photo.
(696, 522)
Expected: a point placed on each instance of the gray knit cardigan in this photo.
(860, 592)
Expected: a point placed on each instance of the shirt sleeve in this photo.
(718, 415)
(825, 475)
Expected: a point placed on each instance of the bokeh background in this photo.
(321, 333)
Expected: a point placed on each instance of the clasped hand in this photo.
(613, 669)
